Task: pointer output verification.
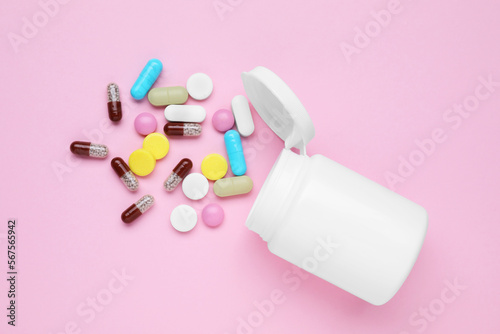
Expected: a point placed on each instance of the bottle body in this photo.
(339, 225)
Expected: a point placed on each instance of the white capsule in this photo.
(185, 113)
(242, 115)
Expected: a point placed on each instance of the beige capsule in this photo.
(163, 96)
(231, 186)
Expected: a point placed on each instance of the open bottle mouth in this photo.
(276, 193)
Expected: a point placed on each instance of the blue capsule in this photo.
(146, 79)
(235, 152)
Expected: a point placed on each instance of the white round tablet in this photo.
(195, 186)
(199, 86)
(183, 218)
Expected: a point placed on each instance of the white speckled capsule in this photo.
(89, 149)
(137, 209)
(123, 171)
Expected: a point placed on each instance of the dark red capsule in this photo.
(88, 149)
(114, 104)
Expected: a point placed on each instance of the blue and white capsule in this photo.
(146, 79)
(235, 152)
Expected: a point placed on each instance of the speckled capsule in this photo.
(88, 149)
(125, 174)
(114, 104)
(178, 174)
(182, 129)
(137, 209)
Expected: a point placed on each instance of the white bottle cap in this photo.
(279, 107)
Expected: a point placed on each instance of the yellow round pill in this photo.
(157, 144)
(214, 166)
(141, 162)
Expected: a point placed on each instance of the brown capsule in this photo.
(114, 104)
(137, 209)
(182, 129)
(89, 149)
(178, 174)
(125, 174)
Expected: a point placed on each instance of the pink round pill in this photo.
(212, 215)
(223, 120)
(145, 123)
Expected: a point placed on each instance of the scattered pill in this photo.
(214, 166)
(114, 104)
(137, 209)
(157, 144)
(125, 174)
(145, 123)
(223, 120)
(242, 115)
(195, 186)
(232, 186)
(178, 174)
(163, 96)
(185, 113)
(182, 129)
(199, 86)
(89, 149)
(235, 152)
(142, 162)
(183, 218)
(212, 215)
(146, 79)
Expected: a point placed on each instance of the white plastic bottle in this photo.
(323, 217)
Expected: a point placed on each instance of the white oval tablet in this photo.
(185, 113)
(199, 86)
(183, 218)
(242, 115)
(195, 186)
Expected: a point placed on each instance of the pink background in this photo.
(368, 109)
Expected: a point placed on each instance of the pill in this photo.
(137, 209)
(185, 113)
(178, 174)
(125, 174)
(157, 144)
(235, 154)
(182, 129)
(183, 218)
(114, 104)
(141, 162)
(242, 115)
(214, 166)
(145, 123)
(223, 120)
(146, 79)
(163, 96)
(89, 149)
(199, 86)
(195, 186)
(212, 215)
(231, 186)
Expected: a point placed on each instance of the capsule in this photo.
(137, 209)
(125, 174)
(232, 186)
(163, 96)
(178, 174)
(182, 129)
(235, 152)
(242, 115)
(146, 79)
(114, 104)
(89, 149)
